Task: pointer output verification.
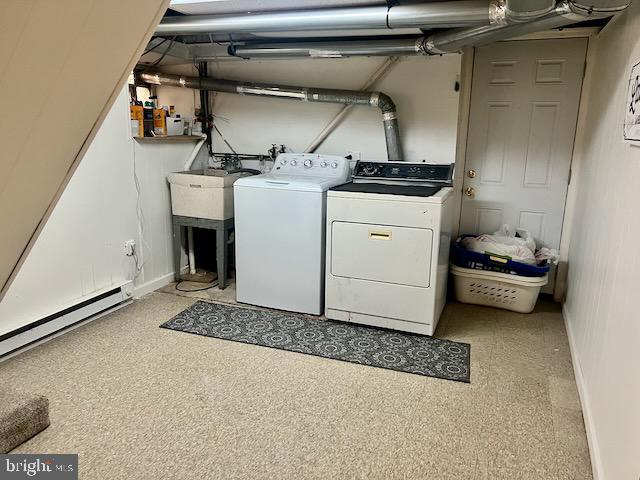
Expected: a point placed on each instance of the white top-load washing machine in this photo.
(280, 220)
(388, 237)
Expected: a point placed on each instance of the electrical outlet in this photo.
(129, 247)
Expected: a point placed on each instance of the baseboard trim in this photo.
(594, 449)
(155, 284)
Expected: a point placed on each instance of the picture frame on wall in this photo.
(631, 129)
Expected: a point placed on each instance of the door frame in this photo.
(464, 110)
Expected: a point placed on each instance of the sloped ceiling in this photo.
(62, 64)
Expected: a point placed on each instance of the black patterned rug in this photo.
(377, 347)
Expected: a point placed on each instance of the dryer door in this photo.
(381, 253)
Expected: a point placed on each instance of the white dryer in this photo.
(388, 237)
(280, 220)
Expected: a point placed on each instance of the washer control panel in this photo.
(311, 164)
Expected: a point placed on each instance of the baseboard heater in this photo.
(57, 322)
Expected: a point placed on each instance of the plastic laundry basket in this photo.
(494, 263)
(500, 290)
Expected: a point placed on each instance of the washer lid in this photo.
(297, 183)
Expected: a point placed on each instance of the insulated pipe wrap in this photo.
(348, 97)
(260, 89)
(385, 103)
(497, 12)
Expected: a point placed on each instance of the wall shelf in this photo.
(169, 139)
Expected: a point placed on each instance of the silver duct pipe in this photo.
(439, 14)
(450, 41)
(354, 48)
(442, 14)
(322, 95)
(565, 13)
(526, 10)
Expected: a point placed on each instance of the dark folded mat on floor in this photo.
(377, 347)
(21, 417)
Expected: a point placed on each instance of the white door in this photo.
(524, 108)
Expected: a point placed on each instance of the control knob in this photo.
(308, 163)
(293, 163)
(334, 165)
(323, 164)
(369, 170)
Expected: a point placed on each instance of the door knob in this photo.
(469, 191)
(471, 173)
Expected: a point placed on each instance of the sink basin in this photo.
(205, 193)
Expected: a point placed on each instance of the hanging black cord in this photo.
(165, 52)
(153, 48)
(210, 285)
(207, 118)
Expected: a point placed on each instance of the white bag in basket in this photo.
(508, 236)
(505, 243)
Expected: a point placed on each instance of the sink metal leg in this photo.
(221, 256)
(177, 250)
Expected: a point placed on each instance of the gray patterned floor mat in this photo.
(404, 352)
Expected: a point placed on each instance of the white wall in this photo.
(80, 250)
(81, 51)
(153, 162)
(601, 307)
(421, 87)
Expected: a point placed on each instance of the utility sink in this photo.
(205, 193)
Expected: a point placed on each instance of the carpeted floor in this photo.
(137, 401)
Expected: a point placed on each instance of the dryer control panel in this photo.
(310, 164)
(403, 171)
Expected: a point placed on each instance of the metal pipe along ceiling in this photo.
(525, 10)
(565, 13)
(323, 95)
(449, 41)
(328, 49)
(509, 18)
(422, 15)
